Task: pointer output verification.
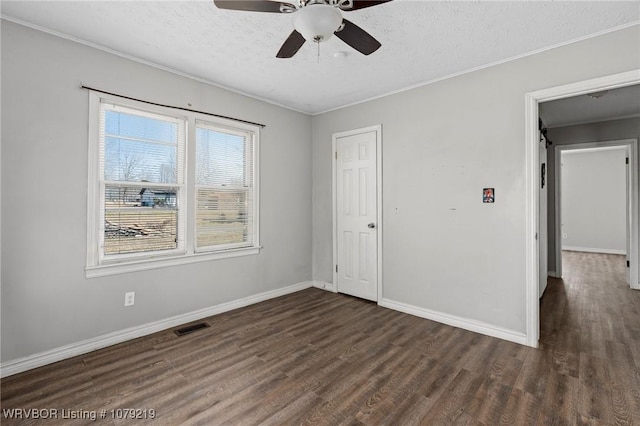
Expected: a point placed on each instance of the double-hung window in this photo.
(225, 196)
(142, 183)
(168, 187)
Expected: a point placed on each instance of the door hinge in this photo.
(626, 160)
(336, 269)
(628, 264)
(336, 155)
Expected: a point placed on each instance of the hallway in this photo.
(590, 339)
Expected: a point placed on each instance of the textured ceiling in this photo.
(613, 104)
(421, 41)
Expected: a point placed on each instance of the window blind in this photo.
(142, 166)
(225, 198)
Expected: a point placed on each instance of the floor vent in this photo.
(191, 328)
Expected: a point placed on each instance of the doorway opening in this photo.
(533, 176)
(594, 199)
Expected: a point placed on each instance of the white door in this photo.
(356, 213)
(542, 225)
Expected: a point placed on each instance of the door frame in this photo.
(631, 146)
(379, 222)
(532, 177)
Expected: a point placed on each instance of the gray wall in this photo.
(593, 132)
(594, 200)
(46, 300)
(444, 249)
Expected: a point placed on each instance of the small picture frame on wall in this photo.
(488, 195)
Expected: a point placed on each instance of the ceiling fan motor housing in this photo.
(317, 22)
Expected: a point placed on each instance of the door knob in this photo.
(371, 225)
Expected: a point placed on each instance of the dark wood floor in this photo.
(315, 357)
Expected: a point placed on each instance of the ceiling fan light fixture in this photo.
(317, 22)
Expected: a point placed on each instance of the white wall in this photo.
(628, 128)
(46, 300)
(444, 250)
(594, 200)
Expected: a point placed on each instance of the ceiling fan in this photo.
(314, 20)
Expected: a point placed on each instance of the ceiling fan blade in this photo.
(291, 45)
(361, 4)
(357, 38)
(254, 5)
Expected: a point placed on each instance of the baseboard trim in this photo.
(553, 274)
(323, 285)
(20, 365)
(594, 250)
(456, 321)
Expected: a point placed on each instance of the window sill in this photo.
(163, 262)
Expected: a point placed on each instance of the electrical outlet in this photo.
(129, 298)
(564, 235)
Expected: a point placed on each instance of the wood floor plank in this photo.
(319, 358)
(596, 392)
(410, 411)
(560, 403)
(456, 399)
(521, 408)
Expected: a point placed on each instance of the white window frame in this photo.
(99, 265)
(249, 150)
(180, 185)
